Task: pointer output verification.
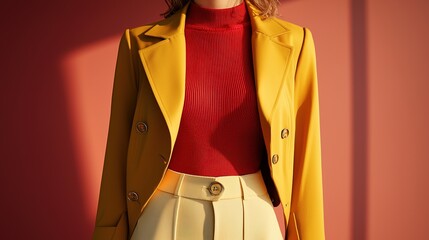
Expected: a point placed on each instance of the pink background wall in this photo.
(57, 64)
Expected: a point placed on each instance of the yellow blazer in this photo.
(147, 103)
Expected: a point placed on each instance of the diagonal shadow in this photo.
(42, 186)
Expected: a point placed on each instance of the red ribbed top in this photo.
(219, 133)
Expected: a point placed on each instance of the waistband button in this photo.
(215, 188)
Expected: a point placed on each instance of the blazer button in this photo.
(285, 133)
(133, 196)
(141, 127)
(275, 159)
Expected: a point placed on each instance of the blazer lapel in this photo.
(270, 61)
(165, 63)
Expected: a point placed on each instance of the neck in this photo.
(218, 4)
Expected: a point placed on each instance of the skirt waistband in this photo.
(213, 188)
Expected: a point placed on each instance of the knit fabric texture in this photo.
(220, 132)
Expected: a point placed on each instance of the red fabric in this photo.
(219, 133)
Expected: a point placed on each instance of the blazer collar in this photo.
(268, 26)
(170, 26)
(165, 65)
(176, 24)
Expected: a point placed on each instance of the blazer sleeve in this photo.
(307, 220)
(111, 220)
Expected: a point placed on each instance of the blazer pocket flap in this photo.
(118, 232)
(104, 233)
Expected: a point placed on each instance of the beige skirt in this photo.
(187, 207)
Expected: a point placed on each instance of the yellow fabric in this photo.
(149, 87)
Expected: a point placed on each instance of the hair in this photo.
(267, 8)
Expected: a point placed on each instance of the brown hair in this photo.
(267, 8)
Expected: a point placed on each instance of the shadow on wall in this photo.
(360, 119)
(42, 185)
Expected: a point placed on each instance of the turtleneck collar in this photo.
(198, 16)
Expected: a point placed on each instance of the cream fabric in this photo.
(182, 208)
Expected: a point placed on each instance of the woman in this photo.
(208, 159)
